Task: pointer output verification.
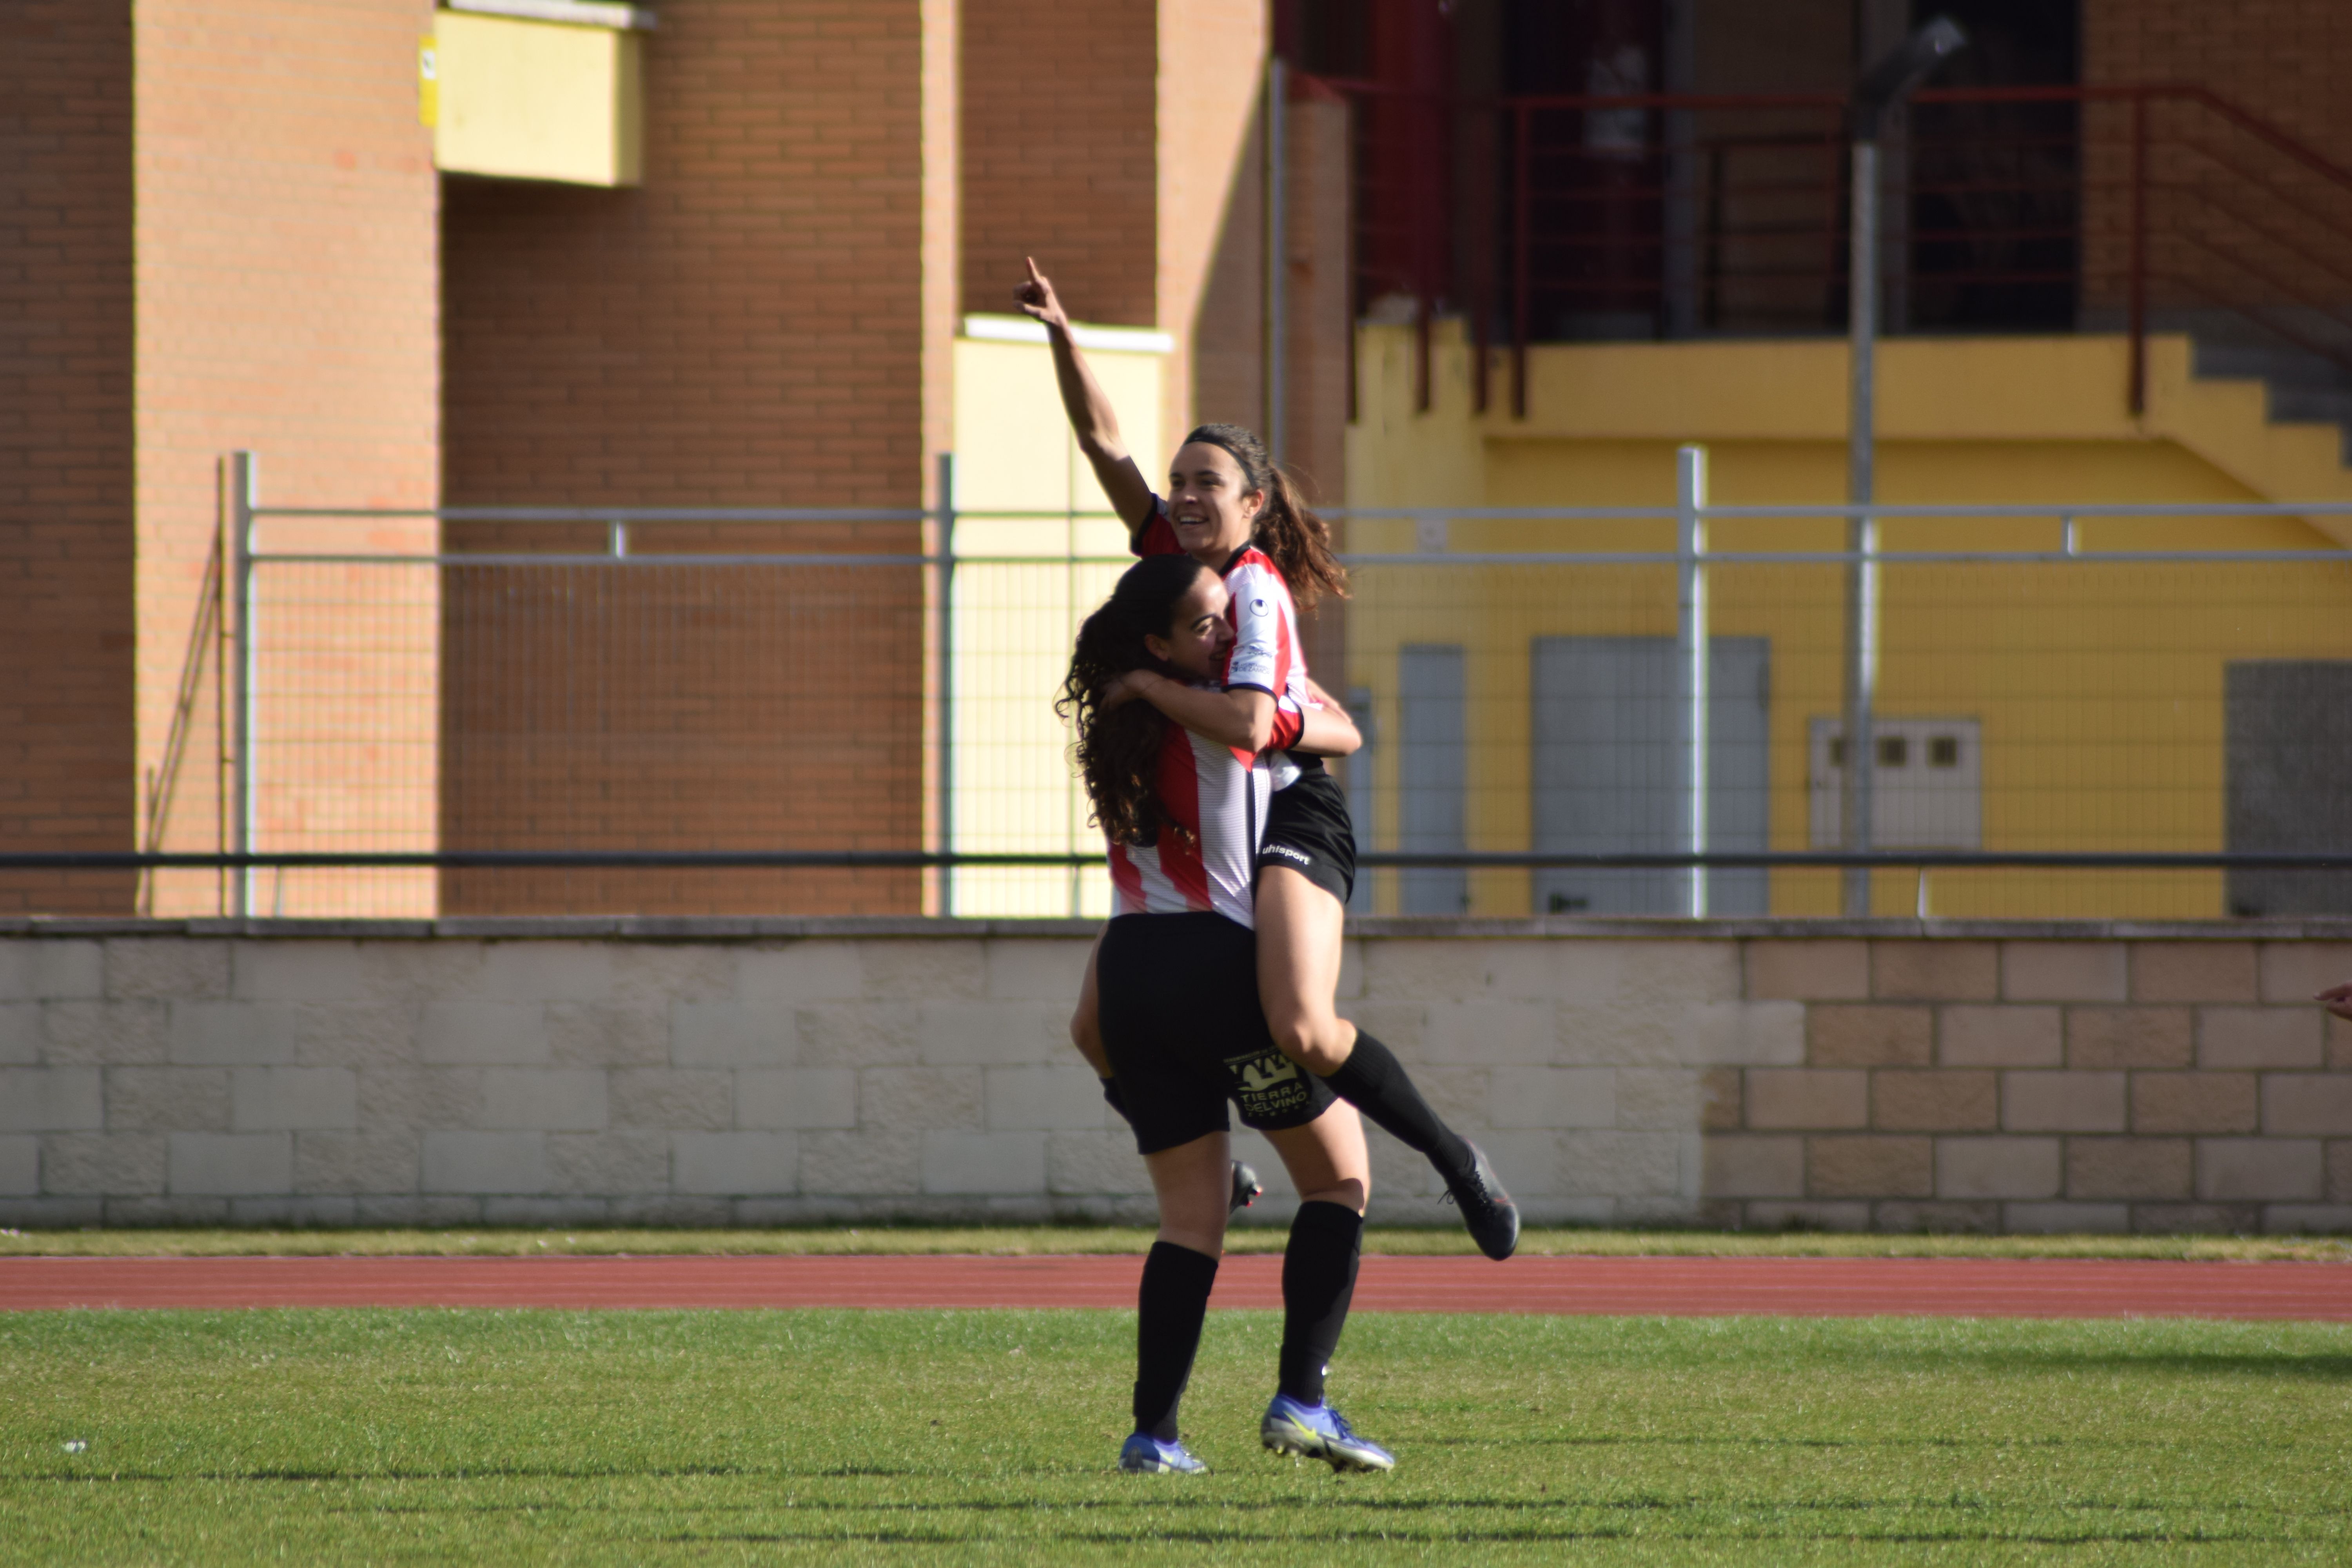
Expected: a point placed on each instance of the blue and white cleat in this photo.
(1319, 1432)
(1145, 1455)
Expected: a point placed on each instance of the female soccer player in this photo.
(1231, 509)
(1182, 1031)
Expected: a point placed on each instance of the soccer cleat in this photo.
(1246, 1188)
(1488, 1211)
(1145, 1455)
(1319, 1432)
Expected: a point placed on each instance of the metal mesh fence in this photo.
(2167, 684)
(2038, 706)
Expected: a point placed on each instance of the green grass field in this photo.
(411, 1436)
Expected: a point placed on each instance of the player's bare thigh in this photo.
(1299, 928)
(1327, 1159)
(1086, 1023)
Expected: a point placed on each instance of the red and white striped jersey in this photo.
(1268, 654)
(1219, 802)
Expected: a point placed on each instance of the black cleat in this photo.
(1246, 1188)
(1488, 1211)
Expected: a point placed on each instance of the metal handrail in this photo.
(2065, 514)
(1407, 214)
(912, 859)
(2007, 510)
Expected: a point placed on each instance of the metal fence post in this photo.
(244, 476)
(945, 641)
(1862, 530)
(1690, 550)
(2136, 281)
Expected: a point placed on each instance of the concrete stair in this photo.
(2300, 386)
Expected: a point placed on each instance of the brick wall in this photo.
(1059, 106)
(65, 444)
(749, 328)
(2283, 60)
(1211, 85)
(682, 707)
(286, 231)
(2233, 220)
(753, 1073)
(743, 330)
(1228, 351)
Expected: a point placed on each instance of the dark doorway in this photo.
(1995, 203)
(1595, 179)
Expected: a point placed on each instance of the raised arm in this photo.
(1241, 719)
(1092, 419)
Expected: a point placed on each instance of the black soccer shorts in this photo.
(1307, 830)
(1185, 1033)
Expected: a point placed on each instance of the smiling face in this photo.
(1210, 504)
(1198, 637)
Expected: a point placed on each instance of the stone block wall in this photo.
(708, 1072)
(2048, 1085)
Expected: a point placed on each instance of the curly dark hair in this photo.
(1116, 752)
(1296, 541)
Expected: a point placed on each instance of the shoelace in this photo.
(1475, 1185)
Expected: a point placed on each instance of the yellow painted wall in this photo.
(2099, 688)
(1014, 622)
(537, 100)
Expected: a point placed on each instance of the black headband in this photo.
(1230, 450)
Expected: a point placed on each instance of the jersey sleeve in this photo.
(1288, 722)
(1157, 537)
(1262, 654)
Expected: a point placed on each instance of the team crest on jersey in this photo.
(1265, 1085)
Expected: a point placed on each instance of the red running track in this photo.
(1680, 1287)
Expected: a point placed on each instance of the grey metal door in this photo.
(1610, 759)
(1432, 774)
(2289, 754)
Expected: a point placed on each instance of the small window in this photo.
(1943, 751)
(1837, 751)
(1893, 751)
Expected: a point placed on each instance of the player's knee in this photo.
(1318, 1044)
(1200, 1227)
(1349, 1192)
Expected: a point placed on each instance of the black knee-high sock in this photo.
(1373, 1081)
(1318, 1280)
(1171, 1305)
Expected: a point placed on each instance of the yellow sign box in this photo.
(534, 100)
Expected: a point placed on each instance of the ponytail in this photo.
(1296, 541)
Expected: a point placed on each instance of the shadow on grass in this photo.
(1501, 1538)
(2281, 1364)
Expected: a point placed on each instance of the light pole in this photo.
(1881, 87)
